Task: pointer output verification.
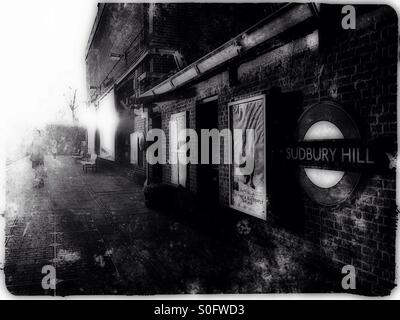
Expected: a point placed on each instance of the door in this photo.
(122, 147)
(97, 142)
(208, 174)
(285, 109)
(178, 170)
(134, 146)
(156, 169)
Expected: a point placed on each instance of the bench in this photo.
(91, 163)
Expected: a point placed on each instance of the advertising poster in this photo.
(247, 188)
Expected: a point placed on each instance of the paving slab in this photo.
(99, 236)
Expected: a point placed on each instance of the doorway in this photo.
(97, 142)
(208, 174)
(178, 169)
(285, 109)
(122, 147)
(156, 169)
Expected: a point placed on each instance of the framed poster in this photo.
(247, 189)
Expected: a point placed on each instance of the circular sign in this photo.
(327, 121)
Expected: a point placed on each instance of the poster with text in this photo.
(247, 187)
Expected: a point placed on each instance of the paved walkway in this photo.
(96, 231)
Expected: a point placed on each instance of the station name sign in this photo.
(328, 138)
(350, 155)
(335, 154)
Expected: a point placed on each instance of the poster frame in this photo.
(253, 98)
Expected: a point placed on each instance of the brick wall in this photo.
(164, 17)
(357, 69)
(119, 25)
(360, 72)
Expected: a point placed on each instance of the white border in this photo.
(4, 294)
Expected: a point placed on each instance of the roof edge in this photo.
(99, 14)
(248, 39)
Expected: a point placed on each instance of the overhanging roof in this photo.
(285, 18)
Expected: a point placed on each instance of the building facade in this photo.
(293, 67)
(134, 46)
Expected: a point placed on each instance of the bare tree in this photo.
(71, 101)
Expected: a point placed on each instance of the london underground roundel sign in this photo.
(328, 138)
